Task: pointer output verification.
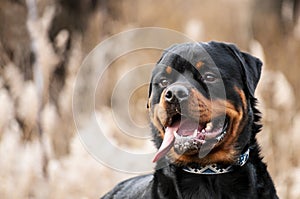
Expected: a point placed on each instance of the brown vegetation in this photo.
(43, 43)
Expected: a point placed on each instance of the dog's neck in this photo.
(212, 169)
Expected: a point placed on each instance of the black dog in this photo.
(204, 122)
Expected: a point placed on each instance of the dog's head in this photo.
(201, 103)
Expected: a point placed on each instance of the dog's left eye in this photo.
(209, 77)
(164, 83)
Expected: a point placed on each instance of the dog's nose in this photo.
(176, 92)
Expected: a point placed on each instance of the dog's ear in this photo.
(251, 67)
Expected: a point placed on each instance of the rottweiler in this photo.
(204, 122)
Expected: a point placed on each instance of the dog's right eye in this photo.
(164, 83)
(209, 77)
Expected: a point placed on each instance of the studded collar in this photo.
(216, 168)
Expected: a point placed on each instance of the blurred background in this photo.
(44, 42)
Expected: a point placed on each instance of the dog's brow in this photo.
(169, 69)
(199, 64)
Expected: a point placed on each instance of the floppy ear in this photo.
(251, 67)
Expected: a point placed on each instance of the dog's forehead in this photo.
(193, 53)
(212, 55)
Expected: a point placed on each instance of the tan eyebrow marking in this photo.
(199, 64)
(169, 69)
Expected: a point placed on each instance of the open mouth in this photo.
(188, 136)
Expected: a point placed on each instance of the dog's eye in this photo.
(209, 77)
(164, 83)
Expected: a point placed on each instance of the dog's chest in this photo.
(217, 187)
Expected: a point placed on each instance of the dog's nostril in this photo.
(169, 96)
(176, 93)
(182, 94)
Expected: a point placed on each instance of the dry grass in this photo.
(41, 154)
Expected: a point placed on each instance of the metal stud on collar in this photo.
(209, 169)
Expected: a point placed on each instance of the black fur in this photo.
(249, 181)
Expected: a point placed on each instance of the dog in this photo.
(204, 123)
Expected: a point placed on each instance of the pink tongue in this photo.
(166, 144)
(187, 127)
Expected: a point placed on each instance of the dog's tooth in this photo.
(176, 135)
(220, 138)
(209, 126)
(195, 133)
(203, 131)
